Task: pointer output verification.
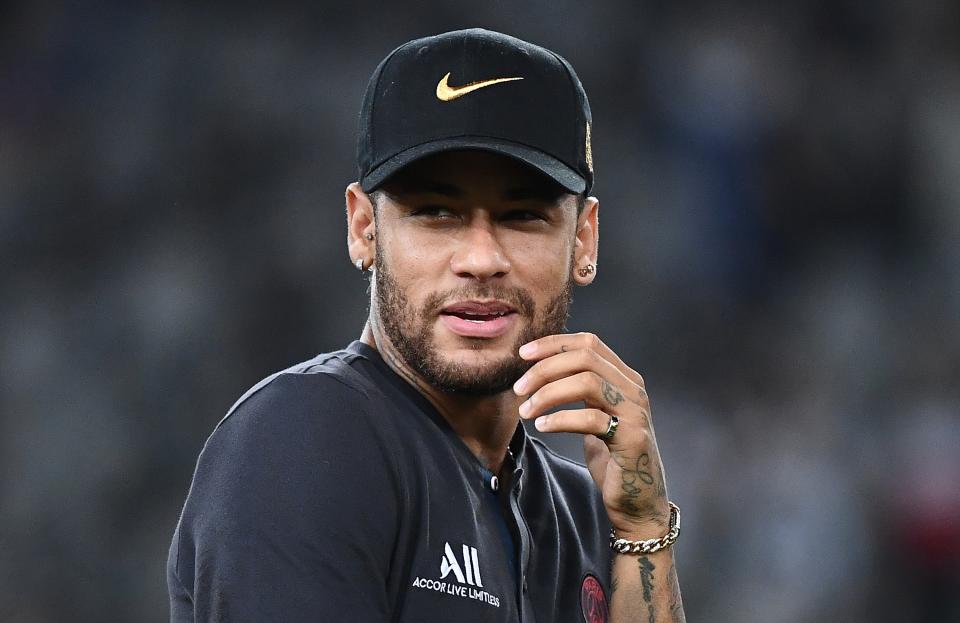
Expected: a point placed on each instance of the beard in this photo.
(411, 330)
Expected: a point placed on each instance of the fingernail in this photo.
(528, 349)
(541, 422)
(520, 386)
(525, 408)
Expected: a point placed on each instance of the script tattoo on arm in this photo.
(646, 583)
(610, 393)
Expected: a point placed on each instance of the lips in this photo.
(473, 310)
(484, 319)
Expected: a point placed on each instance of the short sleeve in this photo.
(292, 513)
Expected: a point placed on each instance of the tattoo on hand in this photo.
(636, 473)
(646, 582)
(610, 393)
(632, 478)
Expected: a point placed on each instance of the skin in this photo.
(469, 221)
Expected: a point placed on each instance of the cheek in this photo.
(412, 267)
(542, 263)
(412, 255)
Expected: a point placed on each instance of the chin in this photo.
(474, 353)
(481, 369)
(480, 361)
(445, 339)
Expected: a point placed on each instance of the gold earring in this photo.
(586, 270)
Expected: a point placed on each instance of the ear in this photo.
(587, 243)
(360, 226)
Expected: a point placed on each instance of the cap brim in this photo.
(548, 165)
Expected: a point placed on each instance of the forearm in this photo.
(644, 588)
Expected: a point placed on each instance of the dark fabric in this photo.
(333, 491)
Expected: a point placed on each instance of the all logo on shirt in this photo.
(471, 565)
(459, 576)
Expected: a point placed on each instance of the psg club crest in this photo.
(593, 603)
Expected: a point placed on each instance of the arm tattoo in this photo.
(646, 582)
(610, 393)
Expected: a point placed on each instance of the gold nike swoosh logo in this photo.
(446, 93)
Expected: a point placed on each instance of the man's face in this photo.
(474, 258)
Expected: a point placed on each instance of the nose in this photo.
(479, 254)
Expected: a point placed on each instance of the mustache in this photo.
(518, 298)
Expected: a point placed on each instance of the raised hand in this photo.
(619, 443)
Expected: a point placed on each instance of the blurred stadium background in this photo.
(780, 257)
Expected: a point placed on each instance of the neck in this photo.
(484, 423)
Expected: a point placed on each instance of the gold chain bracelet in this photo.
(650, 546)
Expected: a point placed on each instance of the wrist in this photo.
(649, 526)
(629, 544)
(635, 533)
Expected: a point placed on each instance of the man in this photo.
(392, 481)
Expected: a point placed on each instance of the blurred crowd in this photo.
(780, 258)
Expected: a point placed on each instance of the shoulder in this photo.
(305, 427)
(292, 473)
(329, 380)
(319, 409)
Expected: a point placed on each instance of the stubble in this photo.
(411, 330)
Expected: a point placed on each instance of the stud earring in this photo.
(359, 265)
(369, 236)
(586, 270)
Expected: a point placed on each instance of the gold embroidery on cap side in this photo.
(589, 150)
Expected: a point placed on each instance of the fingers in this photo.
(587, 386)
(630, 431)
(585, 421)
(570, 363)
(550, 345)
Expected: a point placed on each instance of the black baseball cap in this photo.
(475, 89)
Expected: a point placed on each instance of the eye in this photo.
(433, 212)
(525, 215)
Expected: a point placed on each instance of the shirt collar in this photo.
(518, 443)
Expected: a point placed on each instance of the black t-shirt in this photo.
(334, 491)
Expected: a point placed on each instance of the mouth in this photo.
(483, 319)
